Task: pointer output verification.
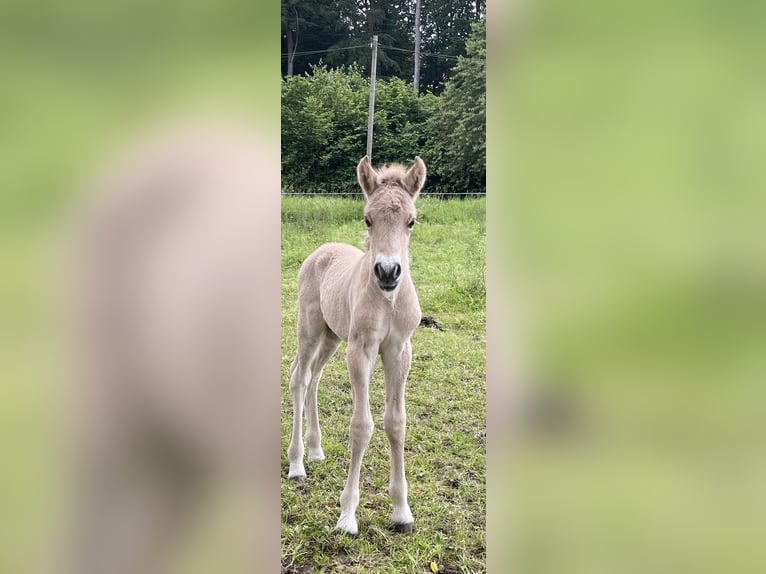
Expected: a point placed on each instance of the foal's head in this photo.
(390, 216)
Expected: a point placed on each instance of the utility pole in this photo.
(371, 112)
(290, 52)
(416, 81)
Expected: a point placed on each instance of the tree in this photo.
(312, 26)
(390, 20)
(456, 149)
(338, 32)
(446, 25)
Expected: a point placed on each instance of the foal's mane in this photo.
(392, 173)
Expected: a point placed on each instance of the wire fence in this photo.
(359, 195)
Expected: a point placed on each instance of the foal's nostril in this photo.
(387, 274)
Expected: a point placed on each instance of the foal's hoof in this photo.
(405, 528)
(297, 472)
(316, 456)
(347, 525)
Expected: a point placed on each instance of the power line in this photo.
(340, 49)
(445, 56)
(309, 52)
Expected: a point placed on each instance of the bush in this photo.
(324, 126)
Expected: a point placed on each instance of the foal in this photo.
(368, 299)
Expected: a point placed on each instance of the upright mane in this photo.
(391, 194)
(392, 173)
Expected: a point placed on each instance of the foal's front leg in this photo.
(396, 364)
(360, 358)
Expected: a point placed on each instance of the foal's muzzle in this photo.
(387, 273)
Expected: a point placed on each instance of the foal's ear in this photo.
(416, 177)
(367, 176)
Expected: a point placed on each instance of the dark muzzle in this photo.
(388, 275)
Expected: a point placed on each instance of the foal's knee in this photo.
(298, 380)
(395, 423)
(361, 431)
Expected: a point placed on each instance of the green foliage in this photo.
(324, 126)
(400, 116)
(457, 131)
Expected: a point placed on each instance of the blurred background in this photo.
(625, 161)
(80, 81)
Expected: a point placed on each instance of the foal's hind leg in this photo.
(300, 372)
(328, 344)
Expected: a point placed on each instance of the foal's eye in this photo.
(411, 223)
(367, 221)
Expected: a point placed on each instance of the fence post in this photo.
(371, 111)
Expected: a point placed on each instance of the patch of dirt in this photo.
(295, 568)
(428, 321)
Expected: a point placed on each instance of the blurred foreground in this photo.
(79, 80)
(626, 160)
(174, 355)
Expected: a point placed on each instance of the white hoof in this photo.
(297, 472)
(316, 455)
(347, 523)
(402, 516)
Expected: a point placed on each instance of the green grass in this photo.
(445, 445)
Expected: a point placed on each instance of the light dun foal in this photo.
(368, 299)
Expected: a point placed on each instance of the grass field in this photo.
(445, 445)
